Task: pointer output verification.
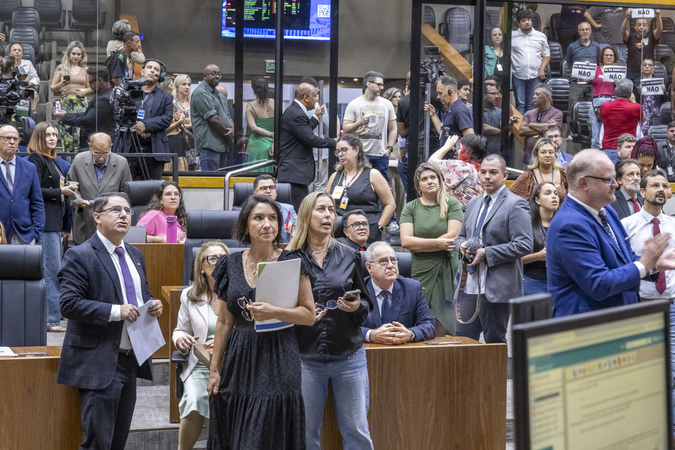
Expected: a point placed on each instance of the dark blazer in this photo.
(50, 184)
(408, 306)
(23, 209)
(664, 161)
(158, 117)
(89, 287)
(586, 269)
(622, 208)
(295, 159)
(97, 118)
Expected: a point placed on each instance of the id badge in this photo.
(141, 114)
(62, 181)
(337, 192)
(670, 171)
(499, 68)
(344, 202)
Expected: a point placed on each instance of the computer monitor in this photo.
(598, 380)
(531, 308)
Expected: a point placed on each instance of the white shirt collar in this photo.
(301, 105)
(12, 161)
(109, 246)
(594, 212)
(494, 195)
(648, 217)
(378, 289)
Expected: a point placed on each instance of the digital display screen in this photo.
(304, 19)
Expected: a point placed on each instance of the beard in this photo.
(632, 187)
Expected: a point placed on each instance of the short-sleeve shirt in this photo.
(611, 19)
(120, 65)
(577, 52)
(205, 103)
(619, 116)
(373, 137)
(403, 116)
(455, 119)
(535, 116)
(493, 117)
(639, 49)
(571, 16)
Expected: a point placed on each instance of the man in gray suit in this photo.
(98, 171)
(501, 220)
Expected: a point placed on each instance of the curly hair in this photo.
(155, 203)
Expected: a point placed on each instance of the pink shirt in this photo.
(155, 224)
(599, 86)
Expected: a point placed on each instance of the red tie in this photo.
(661, 281)
(636, 205)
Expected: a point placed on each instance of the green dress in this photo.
(259, 146)
(435, 270)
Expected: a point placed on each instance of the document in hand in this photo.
(278, 284)
(145, 336)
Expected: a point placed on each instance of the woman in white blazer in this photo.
(197, 319)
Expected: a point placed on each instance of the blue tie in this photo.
(386, 307)
(128, 280)
(479, 226)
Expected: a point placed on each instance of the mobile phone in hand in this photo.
(351, 295)
(57, 106)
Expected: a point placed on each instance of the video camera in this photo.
(12, 90)
(124, 100)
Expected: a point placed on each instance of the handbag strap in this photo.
(462, 285)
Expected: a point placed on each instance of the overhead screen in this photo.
(598, 381)
(304, 19)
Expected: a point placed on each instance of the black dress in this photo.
(259, 402)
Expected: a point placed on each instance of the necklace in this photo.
(542, 176)
(254, 271)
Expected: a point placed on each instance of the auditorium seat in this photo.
(665, 113)
(560, 88)
(658, 132)
(242, 191)
(28, 35)
(23, 308)
(579, 129)
(404, 264)
(556, 59)
(84, 17)
(429, 16)
(7, 7)
(52, 14)
(140, 193)
(456, 29)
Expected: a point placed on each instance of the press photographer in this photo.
(99, 114)
(12, 90)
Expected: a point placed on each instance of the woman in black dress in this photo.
(256, 398)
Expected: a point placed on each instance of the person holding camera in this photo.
(495, 235)
(98, 116)
(429, 226)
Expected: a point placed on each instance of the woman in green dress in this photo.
(260, 120)
(429, 226)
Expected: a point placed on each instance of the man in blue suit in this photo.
(589, 261)
(102, 285)
(22, 209)
(402, 314)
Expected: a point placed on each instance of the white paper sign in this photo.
(583, 70)
(642, 13)
(652, 86)
(613, 73)
(145, 335)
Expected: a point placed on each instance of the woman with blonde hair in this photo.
(176, 133)
(72, 84)
(544, 167)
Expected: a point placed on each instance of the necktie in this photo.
(603, 220)
(8, 175)
(636, 205)
(661, 281)
(126, 274)
(481, 219)
(386, 307)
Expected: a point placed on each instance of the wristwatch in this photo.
(390, 148)
(381, 228)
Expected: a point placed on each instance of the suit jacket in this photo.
(408, 306)
(98, 117)
(83, 171)
(295, 159)
(158, 117)
(507, 236)
(664, 161)
(586, 269)
(622, 208)
(50, 184)
(193, 320)
(89, 287)
(22, 211)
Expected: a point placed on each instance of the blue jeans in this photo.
(51, 263)
(524, 92)
(381, 163)
(403, 172)
(595, 125)
(210, 161)
(613, 154)
(532, 286)
(349, 378)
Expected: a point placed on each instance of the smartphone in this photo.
(57, 106)
(348, 296)
(66, 77)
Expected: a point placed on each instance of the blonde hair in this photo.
(177, 82)
(299, 240)
(441, 194)
(3, 238)
(201, 284)
(65, 61)
(535, 154)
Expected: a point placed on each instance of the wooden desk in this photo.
(164, 267)
(171, 296)
(36, 412)
(433, 397)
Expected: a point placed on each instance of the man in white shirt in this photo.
(530, 55)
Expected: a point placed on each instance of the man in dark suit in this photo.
(97, 171)
(628, 199)
(102, 285)
(22, 209)
(401, 314)
(99, 114)
(590, 264)
(502, 221)
(667, 152)
(356, 229)
(295, 158)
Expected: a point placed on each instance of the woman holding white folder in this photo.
(256, 397)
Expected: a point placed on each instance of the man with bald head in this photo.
(211, 123)
(295, 158)
(22, 209)
(590, 264)
(98, 171)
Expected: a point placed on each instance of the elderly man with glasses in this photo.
(401, 313)
(97, 172)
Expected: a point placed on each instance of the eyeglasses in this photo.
(242, 302)
(172, 194)
(117, 210)
(212, 259)
(610, 181)
(356, 225)
(384, 262)
(330, 305)
(341, 151)
(377, 84)
(268, 188)
(10, 138)
(96, 154)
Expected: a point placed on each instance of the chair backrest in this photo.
(51, 13)
(668, 24)
(26, 17)
(85, 11)
(23, 312)
(28, 52)
(456, 28)
(429, 16)
(555, 24)
(25, 35)
(242, 191)
(668, 38)
(579, 128)
(404, 263)
(658, 132)
(203, 226)
(536, 20)
(7, 7)
(665, 113)
(136, 235)
(660, 72)
(140, 193)
(556, 59)
(661, 50)
(560, 88)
